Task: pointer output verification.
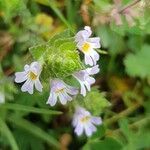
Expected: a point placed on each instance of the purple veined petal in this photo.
(38, 85)
(95, 42)
(96, 120)
(88, 29)
(26, 68)
(83, 35)
(95, 55)
(93, 70)
(83, 89)
(88, 130)
(80, 75)
(92, 127)
(88, 60)
(35, 67)
(88, 86)
(71, 90)
(28, 87)
(52, 99)
(20, 77)
(75, 120)
(90, 80)
(62, 99)
(66, 96)
(79, 129)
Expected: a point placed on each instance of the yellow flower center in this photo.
(85, 47)
(60, 90)
(85, 119)
(32, 76)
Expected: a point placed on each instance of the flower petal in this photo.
(27, 87)
(93, 70)
(38, 85)
(62, 99)
(95, 42)
(20, 77)
(52, 99)
(79, 129)
(26, 68)
(88, 130)
(83, 89)
(88, 60)
(96, 120)
(71, 90)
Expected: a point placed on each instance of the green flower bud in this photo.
(58, 56)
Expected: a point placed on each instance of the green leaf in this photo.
(18, 107)
(62, 35)
(35, 130)
(106, 144)
(5, 130)
(138, 64)
(96, 100)
(99, 133)
(38, 51)
(59, 56)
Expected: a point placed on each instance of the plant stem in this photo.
(122, 114)
(131, 126)
(129, 5)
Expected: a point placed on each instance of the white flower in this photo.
(60, 90)
(84, 78)
(87, 45)
(2, 98)
(84, 121)
(30, 75)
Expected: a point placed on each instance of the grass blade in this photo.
(35, 130)
(19, 107)
(5, 130)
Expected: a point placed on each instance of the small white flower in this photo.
(87, 45)
(84, 121)
(30, 75)
(84, 78)
(60, 90)
(2, 98)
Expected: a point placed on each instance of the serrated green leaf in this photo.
(95, 102)
(138, 64)
(65, 34)
(38, 51)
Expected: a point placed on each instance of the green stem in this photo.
(136, 124)
(129, 6)
(122, 114)
(53, 6)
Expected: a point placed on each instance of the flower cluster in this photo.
(63, 92)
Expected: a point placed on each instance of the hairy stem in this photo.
(122, 114)
(129, 5)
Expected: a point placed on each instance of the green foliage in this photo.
(27, 123)
(7, 133)
(95, 102)
(58, 56)
(138, 64)
(107, 144)
(134, 140)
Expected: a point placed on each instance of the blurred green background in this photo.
(27, 123)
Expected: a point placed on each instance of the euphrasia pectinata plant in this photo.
(59, 59)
